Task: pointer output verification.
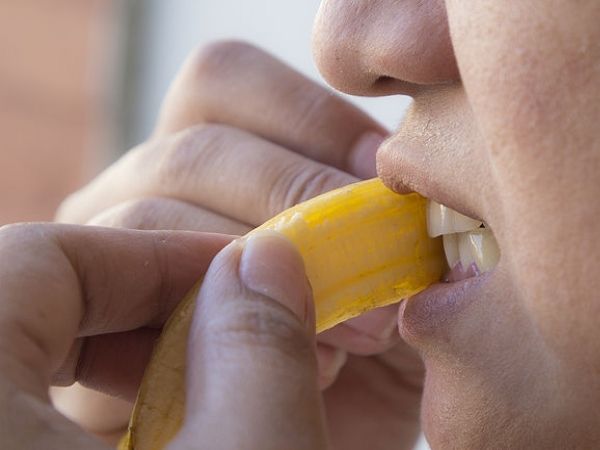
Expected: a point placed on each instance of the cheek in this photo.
(532, 80)
(367, 47)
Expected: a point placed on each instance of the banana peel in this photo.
(363, 247)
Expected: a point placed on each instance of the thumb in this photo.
(252, 372)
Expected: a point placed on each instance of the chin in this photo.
(488, 382)
(463, 414)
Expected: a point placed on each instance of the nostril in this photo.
(372, 48)
(382, 81)
(386, 85)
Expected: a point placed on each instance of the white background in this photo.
(171, 29)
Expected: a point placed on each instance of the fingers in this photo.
(251, 353)
(278, 109)
(385, 390)
(112, 363)
(66, 281)
(330, 361)
(369, 334)
(135, 279)
(240, 85)
(372, 333)
(159, 213)
(88, 408)
(217, 168)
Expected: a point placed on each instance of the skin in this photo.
(97, 289)
(502, 128)
(215, 165)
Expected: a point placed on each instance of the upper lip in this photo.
(406, 178)
(402, 169)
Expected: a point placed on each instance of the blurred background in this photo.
(81, 81)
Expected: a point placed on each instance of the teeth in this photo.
(451, 249)
(464, 241)
(443, 220)
(479, 247)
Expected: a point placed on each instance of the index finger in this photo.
(60, 282)
(236, 84)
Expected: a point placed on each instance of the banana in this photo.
(363, 247)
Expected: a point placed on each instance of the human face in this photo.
(503, 128)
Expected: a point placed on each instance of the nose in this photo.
(384, 47)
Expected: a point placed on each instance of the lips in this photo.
(472, 254)
(471, 250)
(431, 315)
(467, 328)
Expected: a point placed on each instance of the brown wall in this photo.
(50, 98)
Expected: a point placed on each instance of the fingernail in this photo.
(363, 154)
(271, 266)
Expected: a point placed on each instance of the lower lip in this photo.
(430, 313)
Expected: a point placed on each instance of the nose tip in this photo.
(383, 47)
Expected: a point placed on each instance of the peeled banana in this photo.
(363, 247)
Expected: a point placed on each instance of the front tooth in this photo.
(479, 247)
(443, 220)
(451, 249)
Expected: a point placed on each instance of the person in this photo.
(502, 129)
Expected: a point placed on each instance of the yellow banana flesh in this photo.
(363, 247)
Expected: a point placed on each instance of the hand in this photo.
(231, 151)
(240, 138)
(86, 304)
(95, 307)
(70, 297)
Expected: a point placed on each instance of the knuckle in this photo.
(317, 103)
(7, 231)
(19, 241)
(138, 214)
(187, 152)
(209, 61)
(261, 327)
(67, 210)
(318, 107)
(298, 184)
(23, 232)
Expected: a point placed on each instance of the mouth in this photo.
(469, 245)
(472, 254)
